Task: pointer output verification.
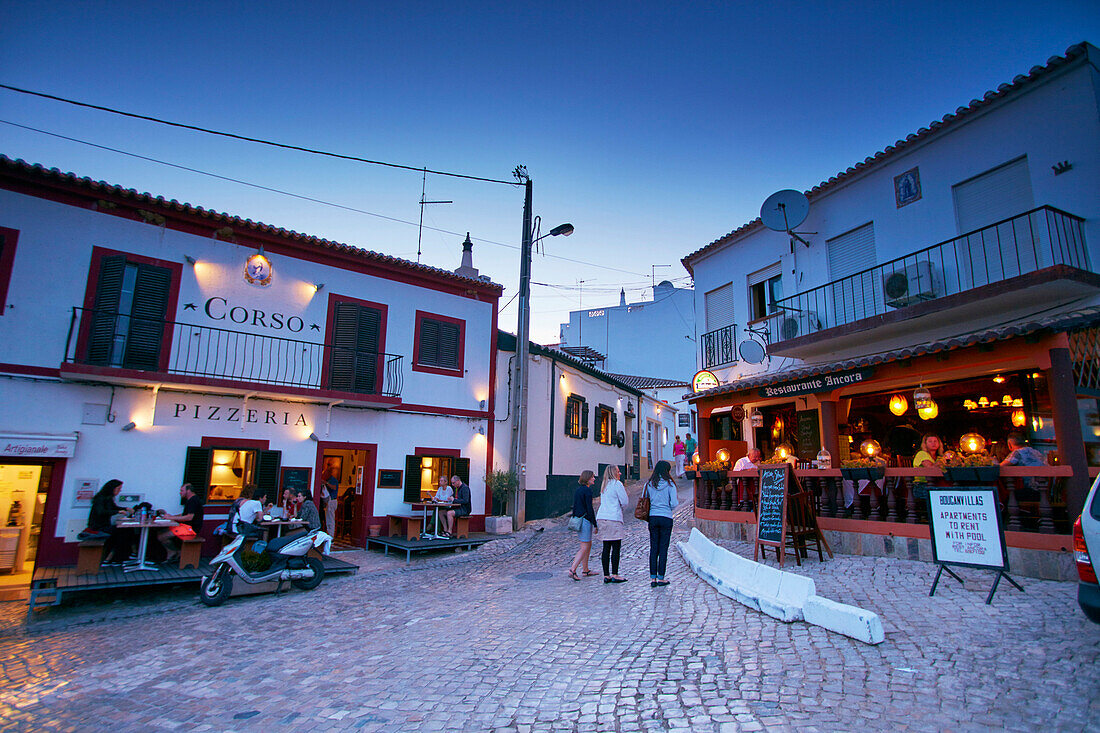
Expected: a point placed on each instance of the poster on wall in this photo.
(85, 491)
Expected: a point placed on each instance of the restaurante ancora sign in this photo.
(822, 383)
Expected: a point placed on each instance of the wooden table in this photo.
(143, 543)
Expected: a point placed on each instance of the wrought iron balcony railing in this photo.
(719, 346)
(116, 340)
(1031, 241)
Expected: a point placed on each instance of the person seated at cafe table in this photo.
(101, 521)
(189, 524)
(444, 495)
(307, 510)
(1022, 454)
(249, 511)
(747, 462)
(462, 498)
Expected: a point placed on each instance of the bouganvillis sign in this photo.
(206, 410)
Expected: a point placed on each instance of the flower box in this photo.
(972, 474)
(690, 474)
(863, 473)
(712, 475)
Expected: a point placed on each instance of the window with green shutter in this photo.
(128, 321)
(354, 364)
(439, 344)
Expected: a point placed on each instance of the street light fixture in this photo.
(519, 388)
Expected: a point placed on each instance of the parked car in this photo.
(1086, 543)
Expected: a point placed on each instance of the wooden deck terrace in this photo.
(400, 544)
(50, 584)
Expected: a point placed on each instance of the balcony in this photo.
(1034, 259)
(719, 347)
(118, 348)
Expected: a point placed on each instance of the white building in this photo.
(578, 418)
(625, 335)
(961, 258)
(158, 343)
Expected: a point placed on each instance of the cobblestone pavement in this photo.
(502, 640)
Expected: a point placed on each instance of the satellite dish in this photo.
(784, 210)
(751, 351)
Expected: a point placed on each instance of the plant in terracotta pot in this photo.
(503, 485)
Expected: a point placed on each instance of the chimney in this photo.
(467, 269)
(622, 297)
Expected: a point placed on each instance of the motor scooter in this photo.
(289, 561)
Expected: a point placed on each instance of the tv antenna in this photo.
(420, 231)
(783, 211)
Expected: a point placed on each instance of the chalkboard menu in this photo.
(295, 479)
(771, 509)
(809, 435)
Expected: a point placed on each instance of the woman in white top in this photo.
(248, 511)
(613, 501)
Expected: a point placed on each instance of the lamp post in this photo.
(519, 384)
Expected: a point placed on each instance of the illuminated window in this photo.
(576, 417)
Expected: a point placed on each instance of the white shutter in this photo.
(993, 196)
(719, 305)
(850, 253)
(766, 274)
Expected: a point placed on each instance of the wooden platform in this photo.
(400, 544)
(49, 584)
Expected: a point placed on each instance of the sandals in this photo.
(573, 575)
(588, 573)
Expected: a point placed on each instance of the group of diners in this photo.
(105, 516)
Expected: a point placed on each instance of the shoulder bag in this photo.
(641, 511)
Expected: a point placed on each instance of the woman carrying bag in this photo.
(585, 518)
(612, 502)
(662, 500)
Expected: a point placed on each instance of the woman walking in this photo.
(582, 507)
(612, 502)
(662, 500)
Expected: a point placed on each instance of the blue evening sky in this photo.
(653, 128)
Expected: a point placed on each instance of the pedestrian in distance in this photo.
(582, 507)
(662, 500)
(689, 448)
(613, 501)
(679, 453)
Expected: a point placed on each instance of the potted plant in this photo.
(502, 485)
(855, 469)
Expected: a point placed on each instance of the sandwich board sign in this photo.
(966, 527)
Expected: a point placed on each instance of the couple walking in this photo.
(662, 500)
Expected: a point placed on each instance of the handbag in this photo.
(574, 524)
(641, 511)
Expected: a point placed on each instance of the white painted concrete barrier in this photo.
(781, 595)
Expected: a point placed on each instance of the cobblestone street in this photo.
(502, 640)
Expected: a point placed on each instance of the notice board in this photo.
(295, 479)
(808, 434)
(966, 528)
(771, 508)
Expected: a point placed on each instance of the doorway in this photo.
(24, 488)
(353, 467)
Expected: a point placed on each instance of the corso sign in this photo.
(219, 309)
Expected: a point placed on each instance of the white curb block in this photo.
(781, 595)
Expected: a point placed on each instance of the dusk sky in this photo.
(653, 128)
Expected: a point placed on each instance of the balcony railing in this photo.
(107, 338)
(719, 346)
(1031, 241)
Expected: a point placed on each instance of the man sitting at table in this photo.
(748, 462)
(190, 524)
(307, 510)
(1022, 454)
(444, 495)
(463, 499)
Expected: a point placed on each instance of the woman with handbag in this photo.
(582, 511)
(612, 502)
(661, 492)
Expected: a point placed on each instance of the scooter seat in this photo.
(280, 542)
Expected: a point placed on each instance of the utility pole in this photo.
(519, 388)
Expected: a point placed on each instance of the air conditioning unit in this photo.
(915, 284)
(798, 323)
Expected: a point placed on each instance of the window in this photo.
(719, 306)
(357, 330)
(576, 417)
(607, 425)
(851, 253)
(993, 196)
(8, 238)
(125, 316)
(423, 471)
(440, 344)
(765, 289)
(217, 473)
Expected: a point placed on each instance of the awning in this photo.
(38, 445)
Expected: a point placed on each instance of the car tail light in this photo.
(1081, 554)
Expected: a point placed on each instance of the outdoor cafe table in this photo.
(143, 544)
(427, 533)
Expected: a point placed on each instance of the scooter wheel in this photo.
(217, 587)
(318, 569)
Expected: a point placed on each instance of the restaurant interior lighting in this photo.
(999, 379)
(129, 426)
(783, 451)
(756, 419)
(870, 448)
(930, 412)
(1019, 419)
(722, 455)
(777, 427)
(921, 397)
(695, 458)
(972, 443)
(898, 404)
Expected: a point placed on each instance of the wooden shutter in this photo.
(570, 411)
(267, 475)
(438, 344)
(584, 419)
(104, 315)
(196, 470)
(614, 428)
(462, 469)
(412, 479)
(354, 360)
(147, 318)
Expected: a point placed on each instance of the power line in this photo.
(298, 195)
(312, 151)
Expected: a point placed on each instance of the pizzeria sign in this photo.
(822, 383)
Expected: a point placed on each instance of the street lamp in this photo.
(519, 385)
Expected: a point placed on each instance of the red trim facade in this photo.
(361, 520)
(213, 441)
(460, 371)
(7, 259)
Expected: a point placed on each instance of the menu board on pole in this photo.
(771, 508)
